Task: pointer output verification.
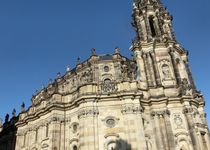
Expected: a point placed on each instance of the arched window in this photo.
(75, 147)
(152, 26)
(107, 81)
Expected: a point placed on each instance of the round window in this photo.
(110, 122)
(106, 69)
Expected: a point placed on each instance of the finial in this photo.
(58, 75)
(78, 61)
(50, 81)
(14, 113)
(117, 50)
(68, 68)
(7, 118)
(93, 51)
(43, 87)
(23, 107)
(37, 91)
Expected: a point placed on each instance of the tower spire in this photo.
(161, 60)
(151, 20)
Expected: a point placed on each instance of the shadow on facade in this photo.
(119, 144)
(8, 133)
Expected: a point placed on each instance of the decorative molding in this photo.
(162, 113)
(131, 109)
(187, 110)
(87, 112)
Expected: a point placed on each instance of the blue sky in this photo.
(40, 38)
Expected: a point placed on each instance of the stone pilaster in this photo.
(170, 135)
(87, 139)
(163, 130)
(141, 67)
(156, 70)
(148, 75)
(55, 133)
(188, 114)
(134, 126)
(207, 138)
(157, 131)
(175, 66)
(151, 69)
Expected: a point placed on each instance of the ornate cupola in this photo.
(152, 21)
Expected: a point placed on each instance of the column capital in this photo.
(131, 109)
(161, 113)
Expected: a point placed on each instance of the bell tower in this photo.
(169, 92)
(152, 21)
(160, 58)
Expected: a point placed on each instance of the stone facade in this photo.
(110, 102)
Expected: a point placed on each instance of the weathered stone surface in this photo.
(110, 102)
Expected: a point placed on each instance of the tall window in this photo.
(152, 26)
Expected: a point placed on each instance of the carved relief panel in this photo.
(166, 72)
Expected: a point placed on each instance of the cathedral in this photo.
(111, 102)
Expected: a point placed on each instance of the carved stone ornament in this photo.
(187, 110)
(108, 86)
(110, 121)
(186, 88)
(166, 72)
(88, 112)
(160, 113)
(131, 109)
(178, 120)
(74, 127)
(45, 145)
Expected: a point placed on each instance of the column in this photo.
(170, 134)
(141, 67)
(140, 130)
(55, 132)
(87, 139)
(157, 131)
(188, 114)
(175, 67)
(134, 126)
(190, 75)
(163, 131)
(156, 70)
(82, 124)
(96, 127)
(151, 68)
(200, 140)
(207, 138)
(62, 146)
(147, 70)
